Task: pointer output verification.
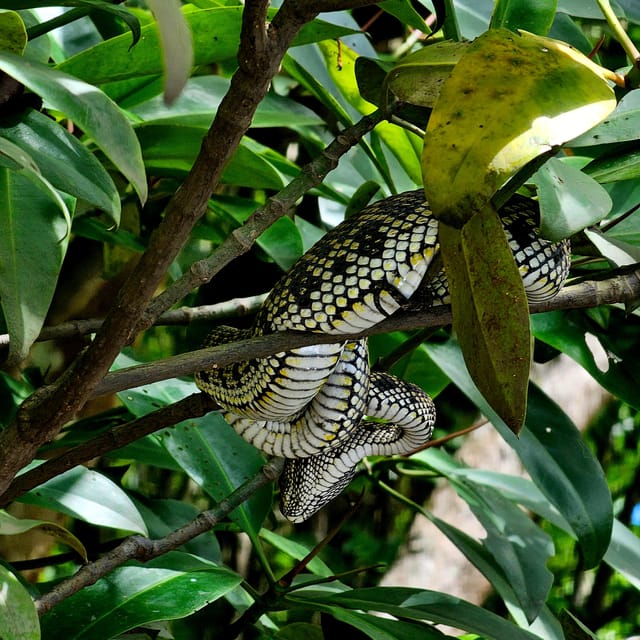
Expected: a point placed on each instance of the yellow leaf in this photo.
(418, 78)
(510, 98)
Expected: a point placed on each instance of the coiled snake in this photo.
(321, 407)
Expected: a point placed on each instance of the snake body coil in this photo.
(309, 404)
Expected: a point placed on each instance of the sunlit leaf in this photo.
(11, 526)
(18, 617)
(89, 108)
(510, 98)
(90, 496)
(132, 596)
(622, 125)
(341, 66)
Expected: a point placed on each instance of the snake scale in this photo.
(321, 407)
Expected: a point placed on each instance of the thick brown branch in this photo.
(193, 406)
(41, 416)
(143, 549)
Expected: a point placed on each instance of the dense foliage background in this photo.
(101, 121)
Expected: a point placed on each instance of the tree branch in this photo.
(622, 288)
(242, 239)
(234, 308)
(193, 406)
(261, 51)
(143, 549)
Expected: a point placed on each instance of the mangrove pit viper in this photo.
(321, 407)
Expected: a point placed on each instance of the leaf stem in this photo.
(625, 41)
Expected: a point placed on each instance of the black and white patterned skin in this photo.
(309, 405)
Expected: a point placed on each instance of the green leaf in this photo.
(535, 16)
(416, 604)
(344, 76)
(89, 108)
(162, 516)
(545, 624)
(509, 99)
(624, 165)
(623, 553)
(172, 149)
(418, 77)
(554, 454)
(621, 126)
(282, 242)
(379, 628)
(15, 158)
(297, 630)
(64, 161)
(405, 12)
(519, 546)
(18, 617)
(562, 330)
(134, 596)
(89, 496)
(574, 629)
(209, 451)
(126, 16)
(32, 245)
(176, 45)
(494, 336)
(198, 103)
(11, 526)
(219, 460)
(297, 551)
(215, 33)
(416, 367)
(13, 33)
(569, 200)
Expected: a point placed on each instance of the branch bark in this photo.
(144, 549)
(623, 288)
(260, 54)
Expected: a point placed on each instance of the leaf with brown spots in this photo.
(490, 312)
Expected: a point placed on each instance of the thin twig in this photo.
(242, 239)
(234, 308)
(144, 549)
